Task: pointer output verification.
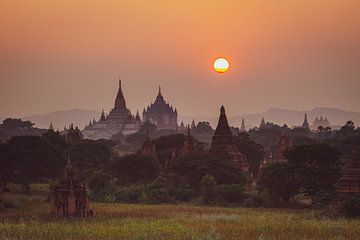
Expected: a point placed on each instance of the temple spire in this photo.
(102, 118)
(159, 96)
(120, 100)
(262, 124)
(223, 127)
(305, 123)
(243, 129)
(51, 127)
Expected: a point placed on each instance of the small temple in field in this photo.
(69, 198)
(223, 145)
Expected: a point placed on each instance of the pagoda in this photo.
(161, 113)
(349, 184)
(69, 198)
(148, 146)
(223, 146)
(305, 123)
(188, 146)
(120, 120)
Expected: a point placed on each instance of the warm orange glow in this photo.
(221, 65)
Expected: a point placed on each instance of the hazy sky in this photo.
(298, 54)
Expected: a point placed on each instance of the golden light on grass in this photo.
(221, 65)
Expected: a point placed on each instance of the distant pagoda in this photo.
(242, 128)
(120, 120)
(223, 146)
(161, 113)
(305, 123)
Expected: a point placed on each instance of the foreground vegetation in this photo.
(29, 219)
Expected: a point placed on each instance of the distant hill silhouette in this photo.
(336, 116)
(78, 117)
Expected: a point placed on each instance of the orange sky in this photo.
(297, 54)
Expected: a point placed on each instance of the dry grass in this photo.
(124, 221)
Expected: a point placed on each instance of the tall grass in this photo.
(124, 221)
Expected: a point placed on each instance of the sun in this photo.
(221, 65)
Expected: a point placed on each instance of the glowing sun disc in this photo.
(221, 65)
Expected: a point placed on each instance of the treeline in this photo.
(311, 173)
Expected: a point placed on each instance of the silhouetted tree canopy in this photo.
(192, 168)
(254, 152)
(135, 169)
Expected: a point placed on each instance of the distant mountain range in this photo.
(337, 117)
(80, 117)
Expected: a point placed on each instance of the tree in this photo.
(29, 159)
(254, 152)
(207, 188)
(99, 185)
(89, 156)
(192, 168)
(135, 169)
(315, 168)
(277, 180)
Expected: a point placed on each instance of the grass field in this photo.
(123, 221)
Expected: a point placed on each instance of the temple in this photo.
(305, 123)
(119, 120)
(188, 146)
(284, 143)
(349, 184)
(69, 198)
(223, 145)
(242, 128)
(161, 114)
(324, 122)
(148, 146)
(262, 123)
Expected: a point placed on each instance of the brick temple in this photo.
(349, 184)
(69, 198)
(223, 145)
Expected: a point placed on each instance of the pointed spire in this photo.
(51, 127)
(102, 118)
(159, 96)
(137, 117)
(193, 124)
(120, 100)
(305, 123)
(223, 127)
(262, 124)
(243, 129)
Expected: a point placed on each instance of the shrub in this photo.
(351, 207)
(99, 185)
(130, 194)
(207, 188)
(229, 193)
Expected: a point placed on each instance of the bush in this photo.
(158, 195)
(351, 207)
(229, 193)
(99, 185)
(207, 188)
(130, 194)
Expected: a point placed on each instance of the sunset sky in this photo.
(297, 54)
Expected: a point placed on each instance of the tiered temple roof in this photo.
(69, 197)
(161, 113)
(223, 144)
